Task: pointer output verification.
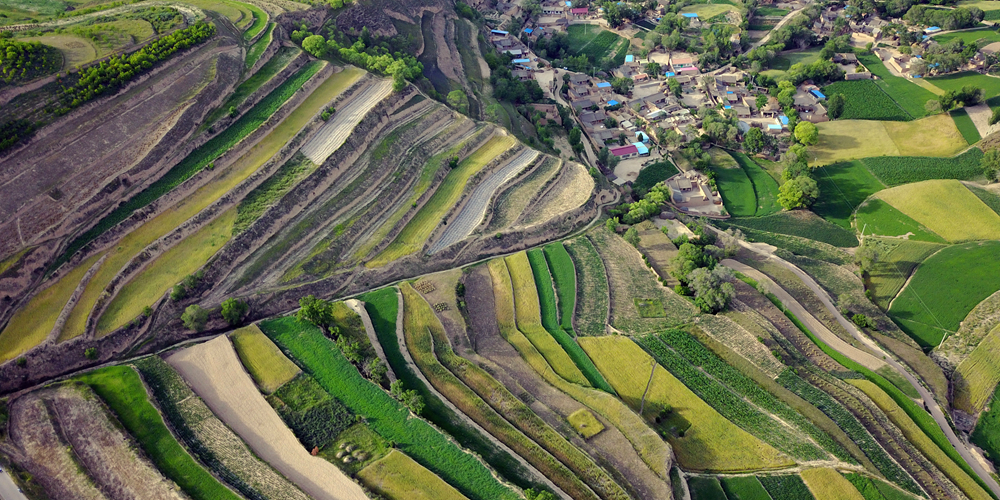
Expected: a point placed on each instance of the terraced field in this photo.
(333, 134)
(474, 210)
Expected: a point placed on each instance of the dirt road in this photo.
(9, 490)
(925, 394)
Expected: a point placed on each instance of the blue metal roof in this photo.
(669, 74)
(690, 14)
(603, 85)
(641, 147)
(727, 107)
(498, 32)
(629, 58)
(521, 61)
(569, 4)
(818, 94)
(612, 103)
(784, 119)
(773, 126)
(729, 91)
(528, 30)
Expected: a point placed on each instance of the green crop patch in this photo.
(705, 488)
(314, 416)
(866, 100)
(564, 277)
(414, 436)
(257, 49)
(876, 217)
(987, 432)
(764, 186)
(843, 187)
(743, 488)
(736, 189)
(123, 391)
(799, 223)
(651, 175)
(789, 487)
(650, 308)
(910, 96)
(965, 125)
(896, 170)
(592, 300)
(955, 81)
(945, 288)
(887, 276)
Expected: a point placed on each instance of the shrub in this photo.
(90, 353)
(195, 317)
(233, 311)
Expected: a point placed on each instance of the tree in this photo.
(90, 353)
(315, 45)
(689, 257)
(316, 311)
(611, 224)
(866, 257)
(712, 288)
(807, 133)
(754, 141)
(761, 100)
(574, 136)
(531, 494)
(233, 311)
(632, 236)
(409, 398)
(653, 68)
(610, 122)
(835, 106)
(995, 117)
(195, 317)
(675, 86)
(991, 164)
(458, 101)
(178, 293)
(799, 192)
(622, 85)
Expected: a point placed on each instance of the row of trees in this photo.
(377, 59)
(114, 73)
(23, 61)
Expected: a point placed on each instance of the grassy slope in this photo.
(123, 391)
(764, 186)
(843, 187)
(876, 217)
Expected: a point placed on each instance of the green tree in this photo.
(233, 311)
(675, 86)
(90, 353)
(632, 236)
(754, 141)
(622, 85)
(409, 398)
(653, 68)
(991, 164)
(807, 133)
(195, 317)
(712, 288)
(315, 45)
(316, 311)
(458, 101)
(761, 100)
(835, 106)
(995, 117)
(575, 135)
(611, 224)
(799, 192)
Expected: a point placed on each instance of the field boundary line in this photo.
(649, 383)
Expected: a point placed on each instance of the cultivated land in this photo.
(398, 477)
(841, 140)
(266, 364)
(711, 443)
(828, 483)
(214, 372)
(938, 205)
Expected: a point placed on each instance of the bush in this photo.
(195, 317)
(233, 311)
(90, 353)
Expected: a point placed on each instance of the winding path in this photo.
(928, 398)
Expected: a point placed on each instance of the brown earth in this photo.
(44, 454)
(105, 452)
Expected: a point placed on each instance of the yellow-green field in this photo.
(529, 320)
(234, 11)
(651, 449)
(841, 140)
(76, 50)
(828, 484)
(420, 227)
(13, 259)
(398, 477)
(946, 207)
(31, 325)
(166, 271)
(707, 11)
(243, 167)
(978, 374)
(923, 443)
(585, 423)
(984, 6)
(262, 359)
(712, 443)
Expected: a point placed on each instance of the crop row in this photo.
(803, 224)
(882, 461)
(270, 191)
(987, 432)
(744, 488)
(699, 355)
(257, 49)
(547, 303)
(592, 287)
(651, 449)
(896, 170)
(865, 100)
(430, 348)
(920, 417)
(382, 307)
(234, 463)
(314, 416)
(528, 313)
(198, 159)
(123, 391)
(388, 417)
(259, 22)
(564, 277)
(788, 487)
(729, 403)
(874, 489)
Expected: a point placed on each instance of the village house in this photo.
(681, 64)
(631, 150)
(579, 12)
(583, 104)
(551, 112)
(592, 118)
(553, 9)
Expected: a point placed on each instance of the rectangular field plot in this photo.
(896, 170)
(965, 125)
(787, 487)
(910, 96)
(876, 217)
(705, 488)
(865, 100)
(829, 484)
(592, 288)
(743, 488)
(399, 477)
(734, 185)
